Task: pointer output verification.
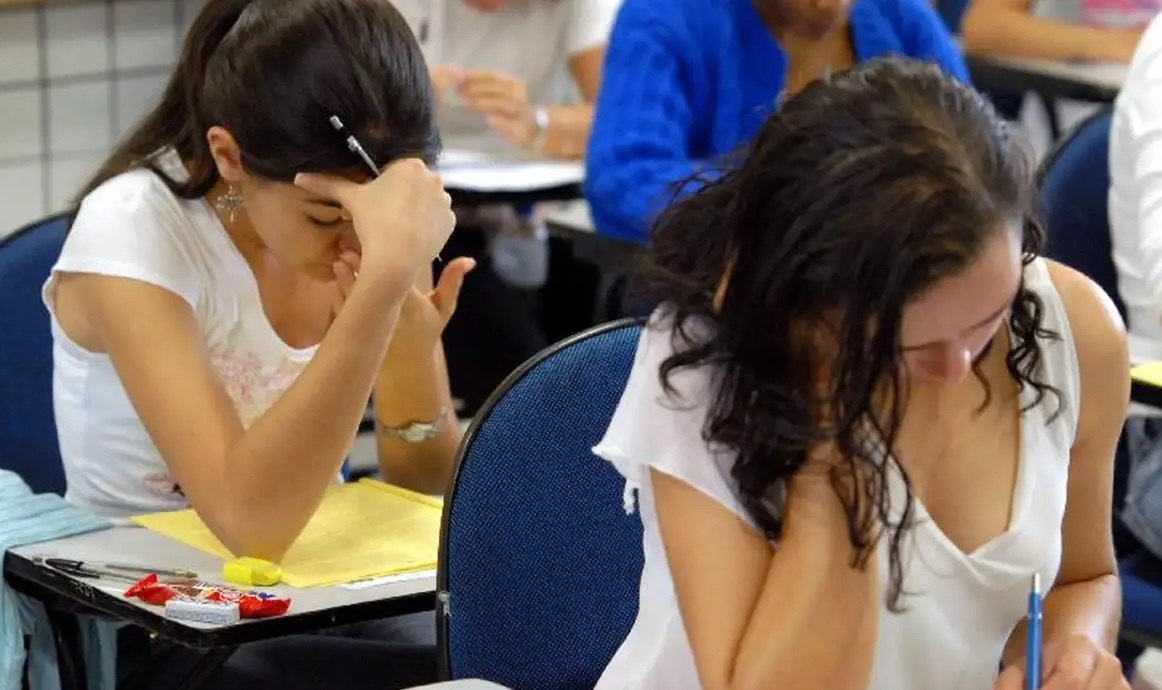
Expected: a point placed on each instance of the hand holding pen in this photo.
(1033, 636)
(1075, 663)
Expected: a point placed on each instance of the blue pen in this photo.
(1033, 637)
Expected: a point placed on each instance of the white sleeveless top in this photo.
(964, 606)
(134, 227)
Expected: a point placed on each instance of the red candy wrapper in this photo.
(154, 592)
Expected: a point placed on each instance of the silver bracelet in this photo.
(414, 432)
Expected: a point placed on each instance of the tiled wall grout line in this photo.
(45, 133)
(111, 52)
(65, 58)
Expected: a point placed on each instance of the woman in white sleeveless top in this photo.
(867, 278)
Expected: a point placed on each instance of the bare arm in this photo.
(230, 474)
(413, 386)
(567, 134)
(797, 617)
(1007, 28)
(1086, 599)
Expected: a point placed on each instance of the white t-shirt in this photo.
(528, 39)
(1135, 199)
(961, 608)
(134, 227)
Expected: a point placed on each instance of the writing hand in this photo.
(1078, 663)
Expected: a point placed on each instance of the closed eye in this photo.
(337, 220)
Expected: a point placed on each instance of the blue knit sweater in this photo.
(689, 80)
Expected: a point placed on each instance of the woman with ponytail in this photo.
(236, 284)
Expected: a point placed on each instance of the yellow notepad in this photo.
(1150, 372)
(362, 530)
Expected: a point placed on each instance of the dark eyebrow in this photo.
(980, 323)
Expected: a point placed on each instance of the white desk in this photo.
(1098, 82)
(485, 169)
(311, 609)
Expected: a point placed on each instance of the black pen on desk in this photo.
(357, 148)
(95, 570)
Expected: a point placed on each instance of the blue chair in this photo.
(539, 563)
(28, 438)
(1074, 183)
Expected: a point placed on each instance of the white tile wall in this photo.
(187, 11)
(79, 117)
(18, 184)
(133, 98)
(76, 39)
(144, 34)
(19, 47)
(67, 175)
(20, 133)
(74, 77)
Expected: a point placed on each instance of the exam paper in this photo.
(1149, 373)
(361, 531)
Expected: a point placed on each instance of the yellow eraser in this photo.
(251, 572)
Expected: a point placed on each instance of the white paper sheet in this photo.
(473, 171)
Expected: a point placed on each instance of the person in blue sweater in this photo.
(686, 81)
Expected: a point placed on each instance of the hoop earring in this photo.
(229, 202)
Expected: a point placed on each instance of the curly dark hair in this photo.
(855, 197)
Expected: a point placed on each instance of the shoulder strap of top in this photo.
(1059, 367)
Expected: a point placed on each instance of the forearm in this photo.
(1021, 35)
(567, 133)
(1092, 608)
(307, 432)
(412, 388)
(812, 586)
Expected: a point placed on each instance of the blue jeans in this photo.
(1142, 513)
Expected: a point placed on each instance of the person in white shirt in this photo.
(235, 284)
(1135, 214)
(504, 66)
(514, 76)
(868, 412)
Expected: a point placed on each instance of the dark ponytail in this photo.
(175, 121)
(272, 72)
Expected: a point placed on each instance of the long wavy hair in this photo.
(856, 196)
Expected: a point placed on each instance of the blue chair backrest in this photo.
(539, 563)
(28, 440)
(1074, 184)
